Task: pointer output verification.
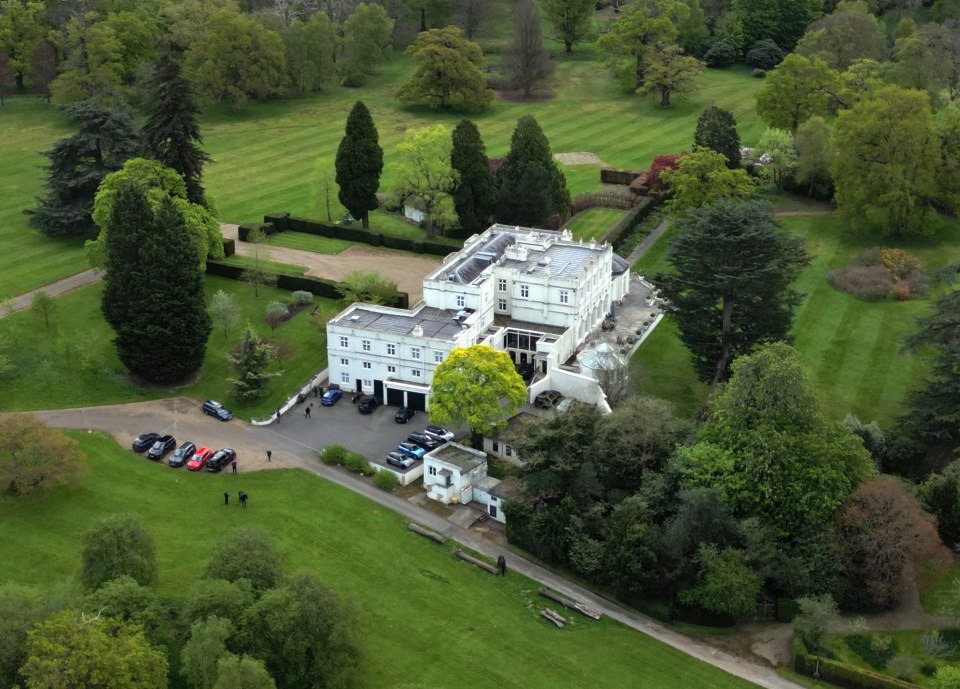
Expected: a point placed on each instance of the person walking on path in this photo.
(243, 499)
(277, 412)
(226, 497)
(306, 412)
(269, 455)
(234, 465)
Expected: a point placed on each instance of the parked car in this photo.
(398, 460)
(221, 459)
(411, 450)
(404, 414)
(547, 399)
(216, 410)
(367, 404)
(163, 446)
(199, 460)
(144, 442)
(437, 433)
(424, 441)
(181, 455)
(330, 398)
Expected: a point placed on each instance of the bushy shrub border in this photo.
(864, 646)
(616, 234)
(358, 464)
(844, 675)
(333, 454)
(386, 480)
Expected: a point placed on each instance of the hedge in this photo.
(787, 609)
(224, 270)
(616, 234)
(609, 175)
(229, 247)
(243, 231)
(844, 675)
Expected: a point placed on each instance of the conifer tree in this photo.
(251, 363)
(532, 186)
(359, 164)
(717, 130)
(171, 134)
(476, 192)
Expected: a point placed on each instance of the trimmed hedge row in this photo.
(243, 231)
(609, 175)
(844, 675)
(229, 247)
(616, 234)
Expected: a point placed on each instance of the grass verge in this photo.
(593, 222)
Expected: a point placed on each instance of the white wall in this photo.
(404, 477)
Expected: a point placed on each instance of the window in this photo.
(367, 365)
(392, 349)
(437, 357)
(525, 291)
(433, 471)
(391, 369)
(345, 377)
(496, 446)
(564, 296)
(501, 304)
(344, 342)
(501, 285)
(415, 352)
(461, 300)
(367, 383)
(344, 362)
(415, 372)
(508, 450)
(365, 344)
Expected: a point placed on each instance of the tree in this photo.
(219, 598)
(572, 20)
(43, 69)
(532, 186)
(725, 584)
(359, 164)
(223, 310)
(43, 305)
(368, 287)
(885, 165)
(304, 634)
(171, 134)
(925, 60)
(125, 599)
(310, 49)
(204, 649)
(6, 76)
(475, 191)
(69, 650)
(117, 546)
(277, 312)
(693, 32)
(717, 130)
(847, 34)
(882, 540)
(424, 169)
(813, 621)
(770, 450)
(367, 42)
(764, 54)
(670, 72)
(526, 62)
(478, 386)
(242, 673)
(797, 89)
(940, 494)
(784, 21)
(250, 362)
(92, 68)
(640, 26)
(257, 275)
(161, 185)
(778, 155)
(449, 72)
(21, 30)
(34, 456)
(21, 608)
(814, 154)
(701, 178)
(237, 60)
(325, 176)
(246, 553)
(106, 139)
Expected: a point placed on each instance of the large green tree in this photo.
(475, 192)
(21, 30)
(449, 72)
(926, 59)
(702, 177)
(244, 672)
(21, 608)
(532, 186)
(717, 130)
(246, 553)
(367, 42)
(572, 20)
(783, 21)
(477, 386)
(770, 450)
(250, 361)
(799, 88)
(729, 283)
(670, 73)
(117, 546)
(425, 171)
(204, 648)
(105, 140)
(359, 164)
(152, 272)
(847, 34)
(885, 168)
(92, 67)
(34, 456)
(641, 25)
(311, 47)
(526, 62)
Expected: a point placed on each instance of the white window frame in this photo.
(461, 300)
(344, 361)
(391, 369)
(501, 285)
(367, 365)
(345, 377)
(417, 373)
(564, 296)
(365, 345)
(415, 353)
(524, 291)
(344, 342)
(437, 357)
(501, 304)
(367, 383)
(391, 349)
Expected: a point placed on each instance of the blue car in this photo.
(411, 450)
(330, 398)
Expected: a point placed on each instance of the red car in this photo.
(199, 460)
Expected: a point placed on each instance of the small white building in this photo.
(456, 474)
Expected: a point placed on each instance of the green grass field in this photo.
(662, 368)
(593, 222)
(73, 363)
(309, 242)
(272, 266)
(425, 616)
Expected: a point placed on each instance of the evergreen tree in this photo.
(476, 191)
(251, 363)
(107, 138)
(359, 164)
(532, 186)
(172, 134)
(729, 287)
(717, 130)
(153, 293)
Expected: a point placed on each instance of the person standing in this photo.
(269, 455)
(306, 412)
(226, 497)
(243, 499)
(234, 465)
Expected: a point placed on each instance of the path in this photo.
(648, 241)
(54, 289)
(182, 413)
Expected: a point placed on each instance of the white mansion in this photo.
(535, 294)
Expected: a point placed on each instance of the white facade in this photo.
(451, 471)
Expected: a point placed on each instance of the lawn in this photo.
(662, 367)
(941, 595)
(593, 222)
(73, 363)
(909, 643)
(423, 613)
(272, 266)
(309, 242)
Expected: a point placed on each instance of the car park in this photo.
(162, 447)
(411, 450)
(145, 441)
(399, 460)
(221, 458)
(330, 398)
(367, 404)
(547, 399)
(438, 433)
(404, 414)
(216, 410)
(182, 455)
(199, 460)
(424, 441)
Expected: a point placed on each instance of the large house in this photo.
(535, 294)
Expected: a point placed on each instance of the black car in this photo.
(547, 399)
(160, 448)
(182, 455)
(398, 460)
(404, 414)
(423, 440)
(216, 410)
(144, 442)
(367, 404)
(221, 459)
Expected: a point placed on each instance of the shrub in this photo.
(721, 54)
(302, 298)
(759, 73)
(277, 313)
(386, 480)
(764, 54)
(334, 454)
(358, 464)
(902, 666)
(876, 649)
(928, 669)
(880, 274)
(871, 283)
